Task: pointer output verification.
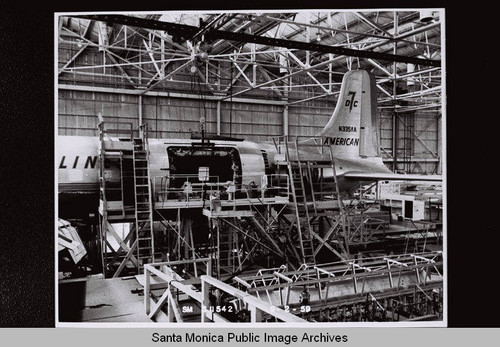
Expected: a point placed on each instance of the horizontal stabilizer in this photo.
(392, 177)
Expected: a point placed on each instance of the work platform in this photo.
(296, 215)
(167, 205)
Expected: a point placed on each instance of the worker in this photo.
(187, 189)
(231, 189)
(263, 185)
(304, 297)
(252, 190)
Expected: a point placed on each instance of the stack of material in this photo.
(69, 239)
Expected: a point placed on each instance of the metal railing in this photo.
(188, 188)
(303, 141)
(173, 282)
(255, 306)
(115, 128)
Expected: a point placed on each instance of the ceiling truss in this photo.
(293, 57)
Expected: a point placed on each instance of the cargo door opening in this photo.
(223, 163)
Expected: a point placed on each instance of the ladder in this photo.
(229, 255)
(143, 206)
(299, 198)
(342, 209)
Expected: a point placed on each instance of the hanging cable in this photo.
(202, 123)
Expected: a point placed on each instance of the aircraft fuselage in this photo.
(78, 167)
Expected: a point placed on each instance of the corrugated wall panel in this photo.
(308, 121)
(177, 118)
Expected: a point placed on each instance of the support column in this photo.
(205, 294)
(285, 120)
(187, 225)
(140, 110)
(394, 93)
(147, 299)
(308, 39)
(139, 80)
(395, 141)
(255, 315)
(162, 50)
(439, 144)
(218, 118)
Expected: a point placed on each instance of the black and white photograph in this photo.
(250, 168)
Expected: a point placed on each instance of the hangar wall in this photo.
(176, 117)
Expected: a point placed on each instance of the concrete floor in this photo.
(101, 300)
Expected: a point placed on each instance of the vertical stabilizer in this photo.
(353, 125)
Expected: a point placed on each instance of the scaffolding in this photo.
(390, 288)
(295, 217)
(247, 233)
(188, 298)
(125, 197)
(305, 162)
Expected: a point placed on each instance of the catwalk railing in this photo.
(175, 286)
(188, 191)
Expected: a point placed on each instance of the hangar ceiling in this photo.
(286, 57)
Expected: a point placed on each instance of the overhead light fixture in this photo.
(203, 56)
(318, 36)
(426, 16)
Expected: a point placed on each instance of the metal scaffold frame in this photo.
(308, 196)
(395, 288)
(116, 203)
(176, 287)
(385, 286)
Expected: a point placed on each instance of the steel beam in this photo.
(72, 59)
(413, 94)
(241, 71)
(331, 60)
(107, 50)
(166, 94)
(370, 23)
(151, 56)
(267, 77)
(253, 302)
(185, 32)
(312, 98)
(285, 121)
(122, 70)
(301, 64)
(284, 77)
(166, 77)
(345, 31)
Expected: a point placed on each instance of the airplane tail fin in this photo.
(353, 126)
